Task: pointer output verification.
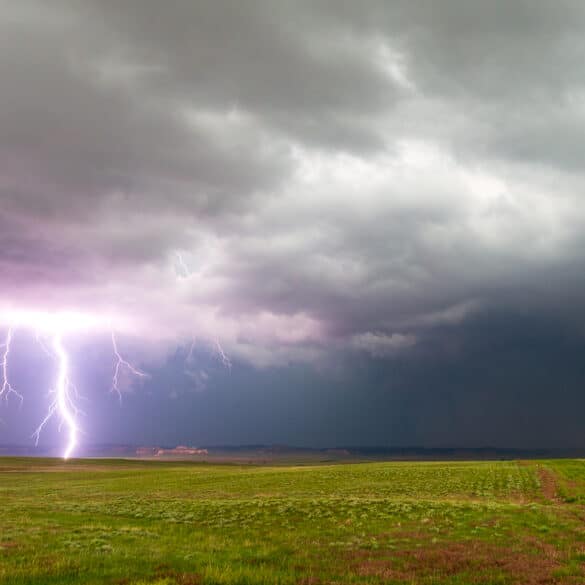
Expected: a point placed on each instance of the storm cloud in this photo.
(304, 181)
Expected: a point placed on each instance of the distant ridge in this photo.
(265, 453)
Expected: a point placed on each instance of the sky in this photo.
(313, 222)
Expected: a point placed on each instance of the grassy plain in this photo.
(170, 523)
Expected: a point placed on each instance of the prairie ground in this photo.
(164, 523)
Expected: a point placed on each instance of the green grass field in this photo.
(136, 522)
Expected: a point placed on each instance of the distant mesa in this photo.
(179, 450)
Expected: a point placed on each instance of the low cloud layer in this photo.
(295, 179)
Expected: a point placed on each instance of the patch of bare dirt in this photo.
(180, 578)
(309, 581)
(533, 564)
(164, 572)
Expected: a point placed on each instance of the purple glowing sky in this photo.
(306, 185)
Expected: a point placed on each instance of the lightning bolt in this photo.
(182, 265)
(64, 403)
(185, 272)
(121, 363)
(190, 352)
(41, 343)
(7, 390)
(64, 394)
(225, 360)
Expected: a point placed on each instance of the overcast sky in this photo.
(374, 208)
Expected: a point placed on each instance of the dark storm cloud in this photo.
(294, 178)
(500, 379)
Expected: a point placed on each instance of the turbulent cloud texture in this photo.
(294, 178)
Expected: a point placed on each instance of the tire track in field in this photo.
(549, 485)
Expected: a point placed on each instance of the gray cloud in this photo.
(333, 175)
